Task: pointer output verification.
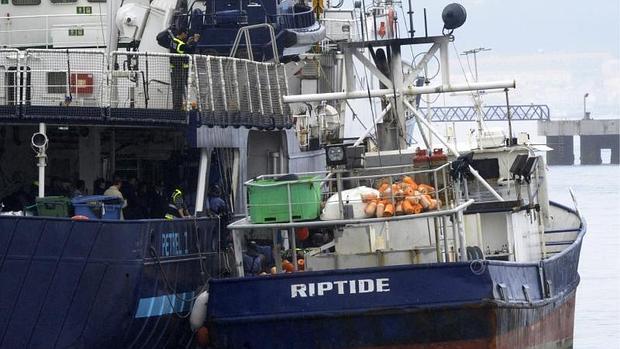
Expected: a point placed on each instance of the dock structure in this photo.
(595, 135)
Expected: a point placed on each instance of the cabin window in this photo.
(4, 2)
(96, 0)
(57, 82)
(62, 1)
(26, 2)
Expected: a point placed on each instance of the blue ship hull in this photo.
(478, 304)
(102, 284)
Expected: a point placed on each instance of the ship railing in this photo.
(60, 30)
(138, 87)
(236, 92)
(330, 184)
(142, 86)
(444, 222)
(294, 201)
(9, 85)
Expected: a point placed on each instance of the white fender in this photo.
(199, 311)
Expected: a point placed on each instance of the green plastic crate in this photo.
(53, 206)
(268, 200)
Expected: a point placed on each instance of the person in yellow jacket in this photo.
(180, 43)
(176, 208)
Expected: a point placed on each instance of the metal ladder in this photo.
(245, 31)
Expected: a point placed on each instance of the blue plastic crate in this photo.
(98, 206)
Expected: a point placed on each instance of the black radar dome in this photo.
(453, 15)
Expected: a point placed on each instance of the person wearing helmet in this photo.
(176, 208)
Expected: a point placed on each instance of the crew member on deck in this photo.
(176, 207)
(180, 43)
(115, 190)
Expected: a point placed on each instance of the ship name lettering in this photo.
(340, 287)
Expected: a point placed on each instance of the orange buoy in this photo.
(368, 197)
(301, 263)
(417, 208)
(79, 218)
(407, 207)
(389, 210)
(371, 208)
(399, 209)
(425, 189)
(380, 209)
(425, 200)
(383, 187)
(408, 180)
(302, 233)
(288, 266)
(413, 199)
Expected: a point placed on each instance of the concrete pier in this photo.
(595, 135)
(563, 150)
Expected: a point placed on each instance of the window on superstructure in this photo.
(26, 2)
(4, 2)
(62, 1)
(57, 82)
(96, 0)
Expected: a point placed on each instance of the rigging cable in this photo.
(372, 111)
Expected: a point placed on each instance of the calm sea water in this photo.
(597, 189)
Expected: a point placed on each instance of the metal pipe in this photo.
(437, 239)
(410, 12)
(291, 238)
(462, 242)
(420, 118)
(445, 64)
(243, 224)
(112, 44)
(453, 150)
(339, 188)
(454, 240)
(202, 180)
(290, 205)
(445, 238)
(409, 91)
(41, 156)
(237, 238)
(509, 118)
(425, 24)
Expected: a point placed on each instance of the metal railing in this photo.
(245, 33)
(139, 86)
(446, 217)
(436, 182)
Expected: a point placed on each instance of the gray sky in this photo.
(556, 50)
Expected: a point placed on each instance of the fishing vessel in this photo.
(388, 247)
(269, 93)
